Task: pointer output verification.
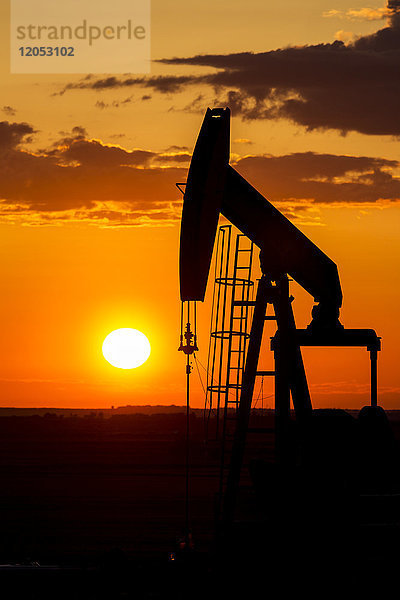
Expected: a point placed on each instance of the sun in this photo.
(126, 348)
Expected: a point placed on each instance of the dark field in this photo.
(74, 488)
(105, 495)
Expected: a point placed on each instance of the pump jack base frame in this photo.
(290, 378)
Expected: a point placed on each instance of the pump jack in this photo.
(213, 187)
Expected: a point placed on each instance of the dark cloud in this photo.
(13, 134)
(353, 87)
(171, 157)
(9, 110)
(115, 104)
(79, 132)
(94, 153)
(322, 178)
(164, 83)
(69, 137)
(176, 148)
(83, 179)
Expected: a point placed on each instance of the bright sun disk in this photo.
(126, 348)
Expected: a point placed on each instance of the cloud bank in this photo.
(344, 87)
(80, 179)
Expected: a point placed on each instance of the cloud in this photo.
(344, 36)
(13, 134)
(333, 12)
(322, 178)
(114, 104)
(345, 87)
(176, 148)
(164, 84)
(173, 157)
(359, 14)
(80, 179)
(9, 110)
(352, 87)
(94, 153)
(242, 141)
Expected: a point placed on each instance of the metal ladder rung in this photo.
(244, 303)
(265, 373)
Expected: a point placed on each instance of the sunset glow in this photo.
(90, 214)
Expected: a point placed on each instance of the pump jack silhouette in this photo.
(213, 187)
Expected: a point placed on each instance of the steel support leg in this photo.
(374, 377)
(282, 353)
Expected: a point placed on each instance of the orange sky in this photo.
(89, 216)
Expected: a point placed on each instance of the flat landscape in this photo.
(93, 489)
(73, 488)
